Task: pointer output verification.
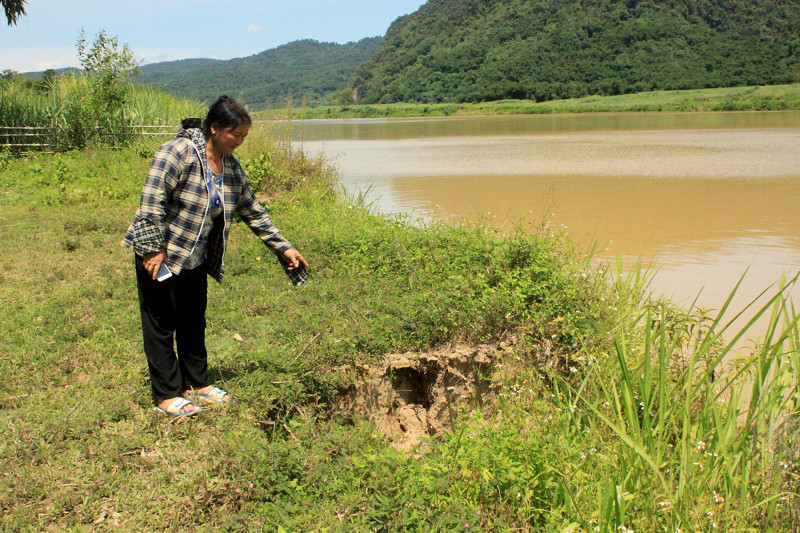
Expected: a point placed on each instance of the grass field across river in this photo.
(762, 98)
(575, 404)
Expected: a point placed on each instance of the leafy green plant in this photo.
(262, 173)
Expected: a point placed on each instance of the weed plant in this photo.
(611, 412)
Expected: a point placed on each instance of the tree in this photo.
(98, 111)
(47, 81)
(108, 68)
(8, 74)
(13, 9)
(49, 76)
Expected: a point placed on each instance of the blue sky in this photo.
(177, 29)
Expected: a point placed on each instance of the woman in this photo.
(179, 234)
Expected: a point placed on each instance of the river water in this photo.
(700, 196)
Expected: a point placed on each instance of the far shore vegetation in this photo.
(755, 98)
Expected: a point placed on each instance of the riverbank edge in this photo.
(558, 441)
(751, 98)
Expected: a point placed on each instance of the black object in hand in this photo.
(298, 275)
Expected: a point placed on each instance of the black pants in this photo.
(174, 309)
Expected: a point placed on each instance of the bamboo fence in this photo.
(50, 139)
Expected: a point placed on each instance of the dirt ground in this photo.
(412, 395)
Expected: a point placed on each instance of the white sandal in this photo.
(176, 408)
(214, 395)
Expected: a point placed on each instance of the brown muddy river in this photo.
(703, 196)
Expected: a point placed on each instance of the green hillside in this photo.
(160, 73)
(482, 50)
(301, 68)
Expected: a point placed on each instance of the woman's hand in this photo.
(152, 262)
(292, 259)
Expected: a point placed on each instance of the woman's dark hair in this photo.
(225, 113)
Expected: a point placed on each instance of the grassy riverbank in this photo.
(765, 98)
(589, 407)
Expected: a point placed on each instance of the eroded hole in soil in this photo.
(413, 395)
(414, 385)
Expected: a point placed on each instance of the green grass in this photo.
(762, 98)
(562, 442)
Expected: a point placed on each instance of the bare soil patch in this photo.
(413, 395)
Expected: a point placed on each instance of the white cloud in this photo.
(44, 65)
(156, 57)
(32, 58)
(255, 28)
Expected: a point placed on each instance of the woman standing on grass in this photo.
(179, 234)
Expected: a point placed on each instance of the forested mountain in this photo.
(300, 68)
(161, 73)
(481, 50)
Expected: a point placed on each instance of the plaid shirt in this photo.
(175, 200)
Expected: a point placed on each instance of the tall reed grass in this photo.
(699, 435)
(66, 105)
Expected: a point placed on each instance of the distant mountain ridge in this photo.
(265, 80)
(65, 71)
(159, 72)
(483, 50)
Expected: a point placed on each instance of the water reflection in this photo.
(415, 128)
